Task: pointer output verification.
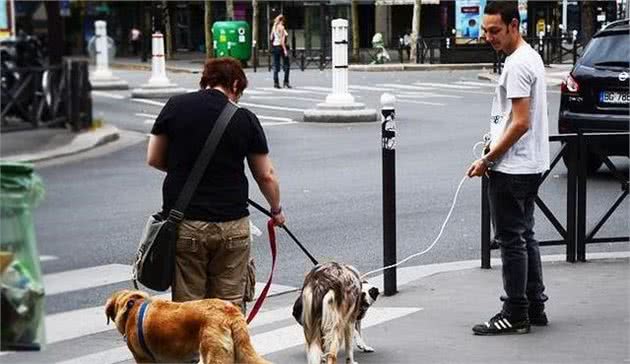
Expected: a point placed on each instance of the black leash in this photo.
(266, 212)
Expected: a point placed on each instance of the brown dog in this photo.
(180, 331)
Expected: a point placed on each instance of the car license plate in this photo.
(614, 97)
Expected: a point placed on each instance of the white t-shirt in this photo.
(523, 76)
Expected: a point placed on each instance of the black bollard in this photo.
(388, 140)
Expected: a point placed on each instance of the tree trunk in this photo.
(355, 30)
(587, 21)
(229, 9)
(415, 28)
(56, 44)
(255, 25)
(168, 34)
(207, 24)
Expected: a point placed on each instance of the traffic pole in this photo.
(388, 140)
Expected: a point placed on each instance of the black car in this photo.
(594, 96)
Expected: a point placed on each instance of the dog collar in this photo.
(139, 325)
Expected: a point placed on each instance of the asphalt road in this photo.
(330, 176)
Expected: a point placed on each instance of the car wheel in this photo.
(594, 162)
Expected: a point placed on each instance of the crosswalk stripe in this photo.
(143, 115)
(91, 320)
(448, 86)
(46, 258)
(480, 84)
(276, 118)
(289, 336)
(408, 87)
(266, 342)
(149, 102)
(371, 88)
(271, 107)
(404, 94)
(107, 94)
(422, 102)
(254, 92)
(78, 279)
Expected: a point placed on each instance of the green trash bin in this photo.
(22, 291)
(232, 39)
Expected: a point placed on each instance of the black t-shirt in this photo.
(187, 121)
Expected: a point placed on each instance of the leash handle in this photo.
(263, 294)
(285, 228)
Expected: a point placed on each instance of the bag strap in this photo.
(177, 212)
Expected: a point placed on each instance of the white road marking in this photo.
(444, 85)
(254, 92)
(78, 279)
(371, 88)
(408, 87)
(289, 336)
(284, 90)
(426, 94)
(318, 88)
(265, 343)
(143, 115)
(149, 121)
(276, 118)
(45, 258)
(108, 94)
(271, 107)
(421, 102)
(276, 97)
(150, 102)
(481, 84)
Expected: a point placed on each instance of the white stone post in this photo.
(340, 94)
(158, 64)
(158, 86)
(102, 77)
(339, 106)
(102, 53)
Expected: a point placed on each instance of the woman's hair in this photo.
(278, 19)
(223, 72)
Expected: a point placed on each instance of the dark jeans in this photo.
(278, 54)
(512, 210)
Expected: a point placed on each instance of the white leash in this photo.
(448, 217)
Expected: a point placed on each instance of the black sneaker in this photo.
(276, 85)
(538, 318)
(286, 85)
(501, 325)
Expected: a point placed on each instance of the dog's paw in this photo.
(365, 348)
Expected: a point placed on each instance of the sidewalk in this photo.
(47, 143)
(588, 313)
(555, 74)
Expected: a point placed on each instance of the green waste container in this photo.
(22, 291)
(232, 39)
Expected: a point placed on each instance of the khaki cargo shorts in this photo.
(212, 261)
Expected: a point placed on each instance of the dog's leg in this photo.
(215, 349)
(348, 331)
(358, 339)
(314, 352)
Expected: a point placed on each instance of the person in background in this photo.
(279, 51)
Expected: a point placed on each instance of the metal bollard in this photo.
(255, 55)
(388, 140)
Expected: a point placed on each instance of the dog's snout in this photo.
(373, 292)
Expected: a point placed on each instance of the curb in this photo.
(147, 67)
(83, 141)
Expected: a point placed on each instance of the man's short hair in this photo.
(223, 72)
(507, 9)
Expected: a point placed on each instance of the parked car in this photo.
(594, 97)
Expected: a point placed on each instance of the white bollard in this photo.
(339, 106)
(102, 53)
(158, 86)
(102, 77)
(158, 64)
(340, 94)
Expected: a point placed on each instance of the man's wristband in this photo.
(277, 211)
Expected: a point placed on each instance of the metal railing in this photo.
(49, 96)
(575, 150)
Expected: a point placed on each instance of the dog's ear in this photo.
(110, 309)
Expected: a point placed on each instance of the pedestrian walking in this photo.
(279, 51)
(135, 38)
(213, 246)
(517, 156)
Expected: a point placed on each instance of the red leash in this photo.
(263, 294)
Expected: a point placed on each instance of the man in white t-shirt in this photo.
(517, 156)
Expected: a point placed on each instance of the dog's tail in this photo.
(244, 351)
(331, 323)
(311, 320)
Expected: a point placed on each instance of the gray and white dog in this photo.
(330, 308)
